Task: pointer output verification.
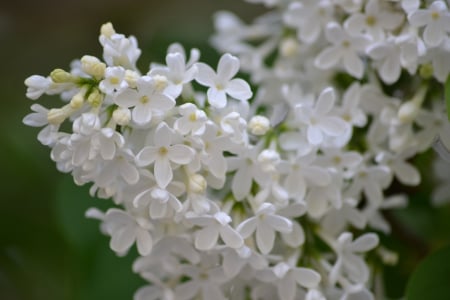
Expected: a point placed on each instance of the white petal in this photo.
(163, 172)
(239, 89)
(306, 277)
(158, 210)
(141, 114)
(181, 154)
(176, 63)
(241, 184)
(328, 58)
(286, 288)
(325, 101)
(163, 135)
(365, 243)
(314, 135)
(205, 75)
(129, 172)
(333, 126)
(419, 18)
(406, 173)
(217, 98)
(123, 238)
(279, 223)
(296, 237)
(353, 65)
(206, 238)
(433, 35)
(247, 227)
(265, 237)
(390, 70)
(146, 156)
(334, 33)
(144, 242)
(228, 67)
(230, 237)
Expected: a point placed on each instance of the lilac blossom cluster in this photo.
(276, 194)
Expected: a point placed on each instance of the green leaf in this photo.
(431, 279)
(447, 95)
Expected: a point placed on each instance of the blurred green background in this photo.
(48, 250)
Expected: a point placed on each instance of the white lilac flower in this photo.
(49, 134)
(350, 110)
(213, 226)
(436, 19)
(221, 84)
(345, 49)
(37, 86)
(192, 120)
(304, 173)
(247, 169)
(319, 120)
(117, 49)
(114, 81)
(376, 20)
(125, 230)
(162, 153)
(371, 180)
(264, 223)
(348, 261)
(147, 100)
(205, 280)
(177, 73)
(309, 18)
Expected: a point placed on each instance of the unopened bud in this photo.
(95, 98)
(122, 116)
(259, 125)
(56, 116)
(61, 76)
(93, 66)
(131, 77)
(197, 183)
(289, 47)
(107, 30)
(77, 101)
(408, 112)
(426, 71)
(160, 82)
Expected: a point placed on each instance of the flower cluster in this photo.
(227, 195)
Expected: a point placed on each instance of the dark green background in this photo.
(48, 250)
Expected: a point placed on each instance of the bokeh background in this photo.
(48, 250)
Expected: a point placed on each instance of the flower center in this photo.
(371, 21)
(144, 99)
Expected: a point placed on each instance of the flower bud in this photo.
(93, 66)
(259, 125)
(160, 82)
(122, 116)
(107, 30)
(289, 47)
(197, 183)
(408, 112)
(61, 76)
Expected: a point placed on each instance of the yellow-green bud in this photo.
(61, 76)
(56, 116)
(77, 101)
(95, 98)
(160, 82)
(122, 116)
(107, 29)
(131, 77)
(93, 66)
(426, 71)
(259, 125)
(197, 183)
(289, 47)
